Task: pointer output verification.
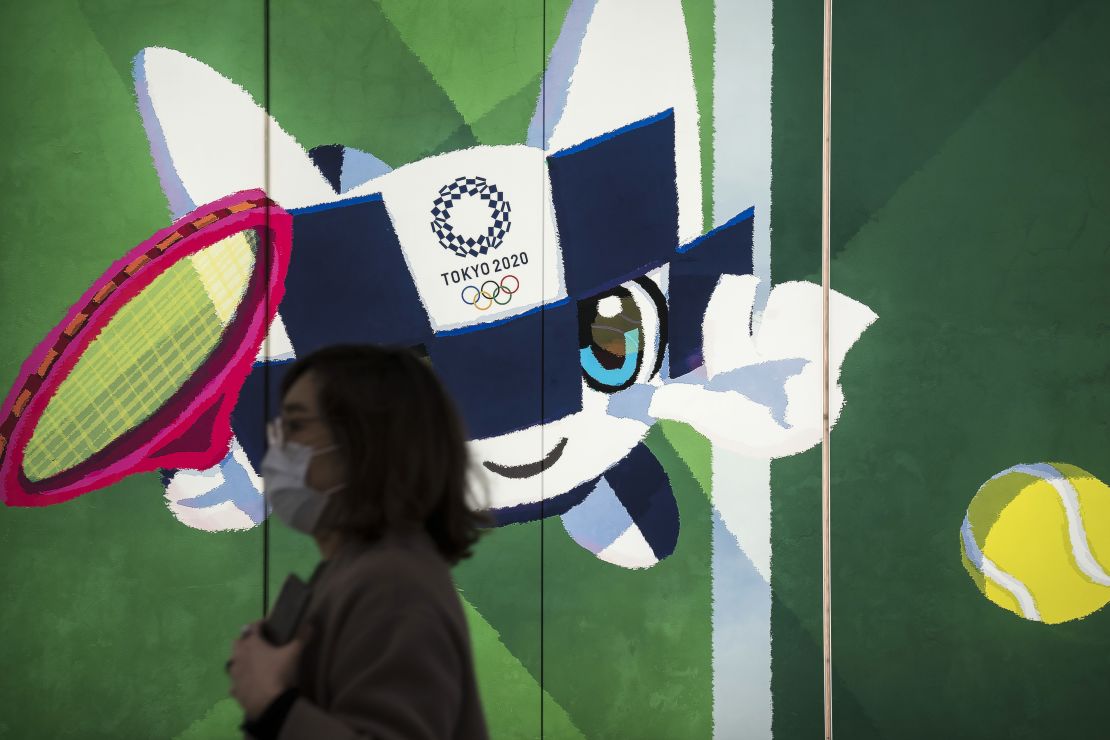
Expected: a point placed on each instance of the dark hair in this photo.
(402, 443)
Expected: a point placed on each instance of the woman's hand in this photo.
(259, 671)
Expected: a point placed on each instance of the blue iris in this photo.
(618, 376)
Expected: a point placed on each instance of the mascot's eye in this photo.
(621, 335)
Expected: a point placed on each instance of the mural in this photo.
(567, 207)
(572, 262)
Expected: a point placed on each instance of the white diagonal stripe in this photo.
(1016, 588)
(1080, 548)
(1000, 577)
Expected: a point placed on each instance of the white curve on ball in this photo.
(1003, 579)
(1080, 548)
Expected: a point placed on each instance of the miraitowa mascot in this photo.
(563, 288)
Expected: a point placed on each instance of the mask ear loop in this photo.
(274, 435)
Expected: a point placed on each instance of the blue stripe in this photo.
(617, 132)
(740, 217)
(335, 204)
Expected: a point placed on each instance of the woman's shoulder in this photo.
(400, 572)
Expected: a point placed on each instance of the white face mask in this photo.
(284, 468)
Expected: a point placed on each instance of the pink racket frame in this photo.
(192, 429)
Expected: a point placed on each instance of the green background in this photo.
(971, 212)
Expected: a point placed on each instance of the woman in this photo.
(369, 457)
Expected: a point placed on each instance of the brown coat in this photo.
(389, 654)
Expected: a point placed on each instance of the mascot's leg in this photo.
(630, 518)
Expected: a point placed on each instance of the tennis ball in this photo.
(1036, 541)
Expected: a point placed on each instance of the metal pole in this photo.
(826, 551)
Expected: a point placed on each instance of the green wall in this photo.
(970, 199)
(971, 193)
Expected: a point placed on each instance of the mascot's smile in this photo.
(527, 470)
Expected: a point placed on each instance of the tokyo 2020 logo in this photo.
(469, 245)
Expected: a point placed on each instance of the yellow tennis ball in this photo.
(1036, 541)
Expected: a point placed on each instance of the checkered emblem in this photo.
(460, 244)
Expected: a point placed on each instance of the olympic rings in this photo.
(490, 293)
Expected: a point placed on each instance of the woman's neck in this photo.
(328, 542)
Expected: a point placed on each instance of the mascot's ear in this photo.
(207, 137)
(616, 62)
